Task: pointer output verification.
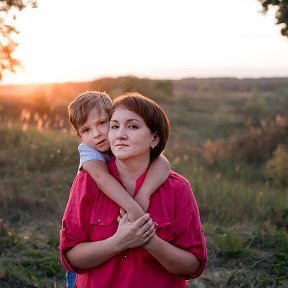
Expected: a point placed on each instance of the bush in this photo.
(255, 146)
(256, 107)
(277, 167)
(229, 245)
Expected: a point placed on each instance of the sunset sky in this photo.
(69, 40)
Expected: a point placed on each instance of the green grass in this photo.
(30, 262)
(227, 196)
(242, 256)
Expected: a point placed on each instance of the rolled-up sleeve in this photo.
(189, 234)
(76, 219)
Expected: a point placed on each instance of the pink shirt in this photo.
(91, 216)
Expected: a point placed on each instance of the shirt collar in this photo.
(114, 172)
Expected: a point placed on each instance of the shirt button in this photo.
(99, 220)
(125, 256)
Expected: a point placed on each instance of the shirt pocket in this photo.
(103, 227)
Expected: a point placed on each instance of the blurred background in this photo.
(220, 71)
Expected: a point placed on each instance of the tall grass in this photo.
(233, 197)
(36, 173)
(244, 215)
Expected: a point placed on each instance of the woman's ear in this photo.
(155, 141)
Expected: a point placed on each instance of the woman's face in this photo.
(129, 135)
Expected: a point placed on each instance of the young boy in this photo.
(89, 116)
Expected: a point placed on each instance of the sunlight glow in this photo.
(67, 40)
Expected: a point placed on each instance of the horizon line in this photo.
(3, 83)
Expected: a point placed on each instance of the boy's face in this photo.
(94, 132)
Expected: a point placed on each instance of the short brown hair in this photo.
(81, 106)
(152, 114)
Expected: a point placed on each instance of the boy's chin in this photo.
(109, 152)
(104, 149)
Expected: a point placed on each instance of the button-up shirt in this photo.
(91, 216)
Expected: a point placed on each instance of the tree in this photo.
(281, 13)
(9, 10)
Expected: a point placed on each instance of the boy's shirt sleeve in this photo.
(87, 153)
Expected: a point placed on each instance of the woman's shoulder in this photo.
(177, 184)
(181, 189)
(177, 178)
(83, 179)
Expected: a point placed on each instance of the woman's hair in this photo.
(152, 114)
(81, 106)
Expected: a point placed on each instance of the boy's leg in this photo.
(70, 279)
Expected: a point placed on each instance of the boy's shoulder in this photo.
(83, 147)
(88, 153)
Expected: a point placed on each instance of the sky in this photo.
(73, 41)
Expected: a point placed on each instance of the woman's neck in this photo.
(129, 171)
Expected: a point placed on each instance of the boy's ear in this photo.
(78, 136)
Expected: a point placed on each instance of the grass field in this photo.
(243, 204)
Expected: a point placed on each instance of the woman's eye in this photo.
(132, 126)
(113, 127)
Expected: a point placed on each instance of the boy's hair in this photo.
(81, 106)
(152, 114)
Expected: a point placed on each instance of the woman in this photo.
(160, 249)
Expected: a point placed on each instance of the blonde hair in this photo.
(81, 106)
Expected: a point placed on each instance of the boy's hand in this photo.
(143, 200)
(135, 214)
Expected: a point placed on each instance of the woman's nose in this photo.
(121, 134)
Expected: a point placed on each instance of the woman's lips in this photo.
(121, 145)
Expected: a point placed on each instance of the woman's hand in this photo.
(135, 234)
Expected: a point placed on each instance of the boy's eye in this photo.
(101, 123)
(85, 130)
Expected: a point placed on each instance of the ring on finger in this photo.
(146, 233)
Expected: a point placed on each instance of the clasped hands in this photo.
(134, 234)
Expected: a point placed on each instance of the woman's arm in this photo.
(90, 254)
(177, 261)
(186, 254)
(129, 235)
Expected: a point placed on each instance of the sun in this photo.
(56, 52)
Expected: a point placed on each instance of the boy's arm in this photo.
(157, 174)
(111, 187)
